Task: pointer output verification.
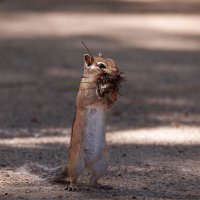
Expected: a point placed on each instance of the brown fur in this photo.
(87, 145)
(86, 98)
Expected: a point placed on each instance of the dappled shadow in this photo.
(102, 6)
(127, 154)
(40, 78)
(153, 171)
(40, 72)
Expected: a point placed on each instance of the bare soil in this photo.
(152, 131)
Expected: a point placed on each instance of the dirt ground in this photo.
(153, 131)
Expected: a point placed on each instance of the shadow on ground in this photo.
(148, 171)
(103, 6)
(39, 80)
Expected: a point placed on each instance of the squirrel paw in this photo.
(72, 187)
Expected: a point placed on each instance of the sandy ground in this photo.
(153, 130)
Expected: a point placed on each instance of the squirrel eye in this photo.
(101, 65)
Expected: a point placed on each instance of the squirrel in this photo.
(88, 147)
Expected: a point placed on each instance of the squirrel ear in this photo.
(89, 60)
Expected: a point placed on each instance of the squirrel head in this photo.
(100, 82)
(97, 64)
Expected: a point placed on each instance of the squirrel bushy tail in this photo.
(53, 175)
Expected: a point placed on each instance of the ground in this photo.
(152, 131)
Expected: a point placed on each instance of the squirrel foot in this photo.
(72, 187)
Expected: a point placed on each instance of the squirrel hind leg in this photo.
(98, 169)
(76, 167)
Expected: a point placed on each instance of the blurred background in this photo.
(156, 43)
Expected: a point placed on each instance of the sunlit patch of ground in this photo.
(153, 162)
(160, 136)
(152, 31)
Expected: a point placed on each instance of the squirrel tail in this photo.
(53, 175)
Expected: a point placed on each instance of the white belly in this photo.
(94, 134)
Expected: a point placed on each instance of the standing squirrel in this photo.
(98, 91)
